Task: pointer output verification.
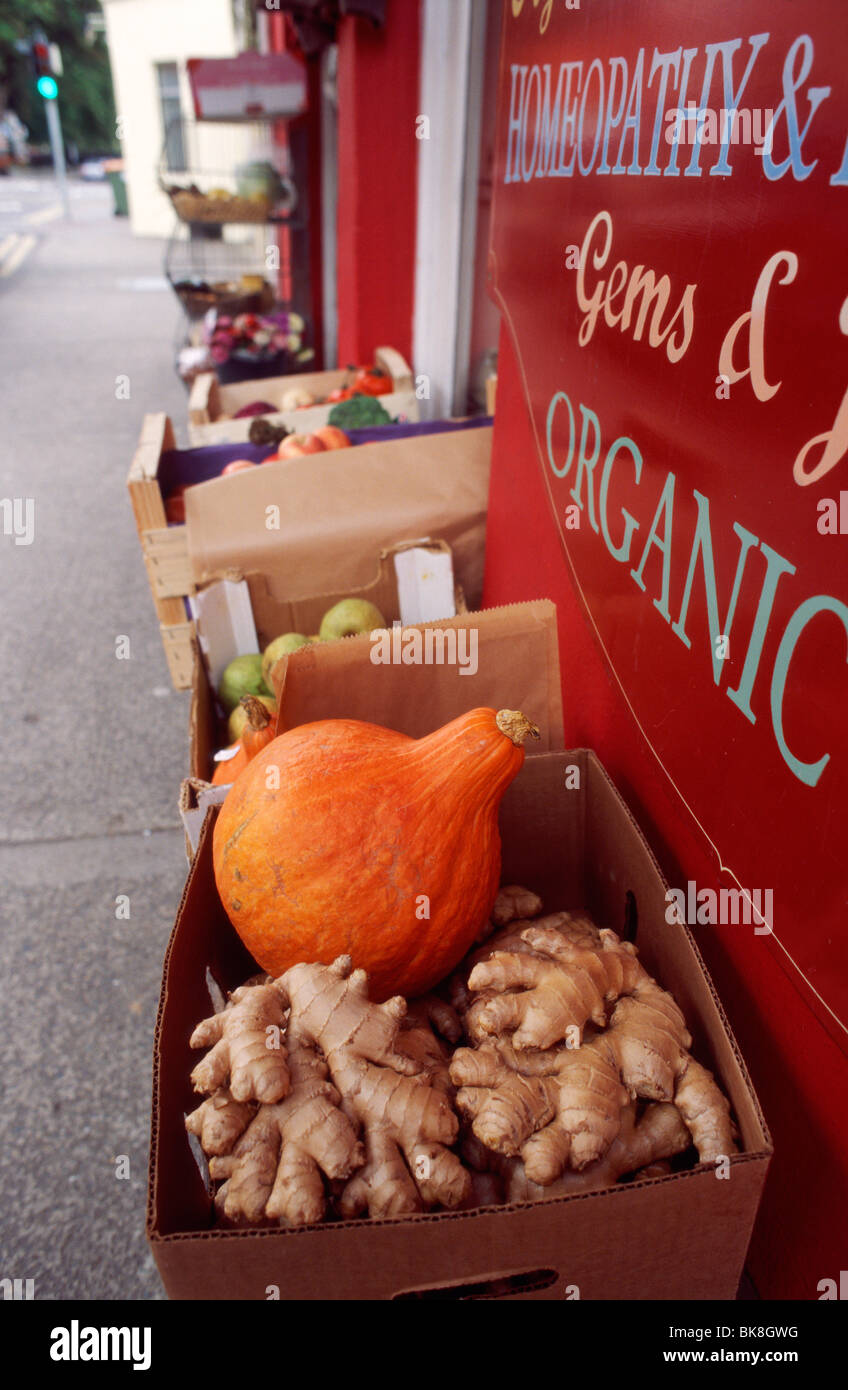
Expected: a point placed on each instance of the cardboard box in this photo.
(209, 400)
(681, 1236)
(273, 616)
(315, 525)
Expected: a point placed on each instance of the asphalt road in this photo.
(93, 747)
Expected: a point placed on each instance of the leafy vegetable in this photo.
(359, 413)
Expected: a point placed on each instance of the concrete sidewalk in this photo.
(93, 750)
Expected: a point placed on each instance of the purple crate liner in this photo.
(188, 466)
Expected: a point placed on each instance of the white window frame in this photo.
(452, 56)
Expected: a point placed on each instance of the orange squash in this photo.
(347, 838)
(258, 733)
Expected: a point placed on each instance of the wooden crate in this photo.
(164, 547)
(209, 400)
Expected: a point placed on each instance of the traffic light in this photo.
(45, 82)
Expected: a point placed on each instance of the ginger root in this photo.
(659, 1134)
(565, 978)
(706, 1112)
(219, 1120)
(640, 1144)
(275, 1169)
(248, 1047)
(422, 1036)
(576, 1072)
(362, 1100)
(569, 1027)
(407, 1119)
(513, 902)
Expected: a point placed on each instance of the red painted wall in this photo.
(800, 1075)
(378, 85)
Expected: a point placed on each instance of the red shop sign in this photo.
(250, 86)
(670, 252)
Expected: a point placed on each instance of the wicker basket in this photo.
(197, 207)
(228, 299)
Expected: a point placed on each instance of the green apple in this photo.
(281, 646)
(349, 617)
(243, 676)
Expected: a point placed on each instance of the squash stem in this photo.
(258, 715)
(516, 726)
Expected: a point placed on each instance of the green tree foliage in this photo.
(86, 101)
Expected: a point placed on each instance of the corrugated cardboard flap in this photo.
(516, 653)
(276, 611)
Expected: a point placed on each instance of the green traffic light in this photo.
(48, 88)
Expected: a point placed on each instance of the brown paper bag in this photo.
(313, 525)
(517, 660)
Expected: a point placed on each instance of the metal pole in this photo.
(54, 130)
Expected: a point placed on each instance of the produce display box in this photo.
(335, 513)
(209, 400)
(274, 617)
(680, 1236)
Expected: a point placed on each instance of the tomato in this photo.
(341, 393)
(372, 381)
